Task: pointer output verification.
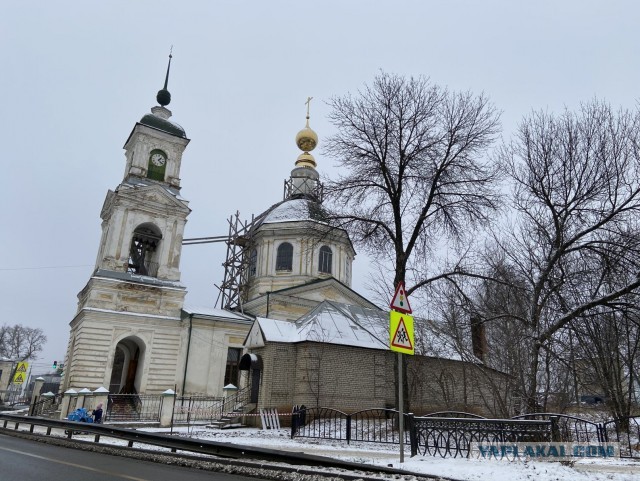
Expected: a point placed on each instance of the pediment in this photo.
(106, 206)
(306, 296)
(154, 195)
(327, 290)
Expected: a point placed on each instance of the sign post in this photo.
(401, 340)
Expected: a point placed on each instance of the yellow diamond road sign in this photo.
(401, 333)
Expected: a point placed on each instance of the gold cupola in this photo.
(306, 140)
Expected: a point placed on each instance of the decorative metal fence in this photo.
(369, 425)
(189, 409)
(133, 408)
(625, 431)
(453, 437)
(571, 428)
(378, 426)
(452, 433)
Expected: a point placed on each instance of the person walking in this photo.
(97, 414)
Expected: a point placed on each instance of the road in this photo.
(22, 460)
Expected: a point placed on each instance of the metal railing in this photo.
(176, 443)
(625, 431)
(453, 437)
(133, 408)
(189, 409)
(236, 402)
(571, 428)
(369, 425)
(46, 406)
(452, 433)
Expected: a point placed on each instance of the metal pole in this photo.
(400, 413)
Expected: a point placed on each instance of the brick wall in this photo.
(351, 378)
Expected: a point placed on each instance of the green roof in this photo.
(155, 122)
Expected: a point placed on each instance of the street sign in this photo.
(400, 301)
(401, 333)
(21, 373)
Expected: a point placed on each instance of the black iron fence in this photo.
(370, 425)
(625, 431)
(46, 406)
(452, 434)
(571, 428)
(453, 437)
(133, 408)
(190, 409)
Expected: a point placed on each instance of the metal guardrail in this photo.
(212, 448)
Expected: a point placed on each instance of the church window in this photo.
(253, 263)
(325, 260)
(157, 165)
(231, 370)
(284, 257)
(144, 244)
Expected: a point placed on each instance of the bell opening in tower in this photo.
(143, 251)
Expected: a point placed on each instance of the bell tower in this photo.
(126, 333)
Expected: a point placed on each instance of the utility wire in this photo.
(41, 267)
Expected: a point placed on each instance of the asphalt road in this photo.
(23, 460)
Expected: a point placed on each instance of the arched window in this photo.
(144, 243)
(253, 264)
(157, 165)
(284, 258)
(325, 260)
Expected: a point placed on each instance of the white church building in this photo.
(290, 330)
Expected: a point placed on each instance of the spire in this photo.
(305, 180)
(164, 97)
(307, 140)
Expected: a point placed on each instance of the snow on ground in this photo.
(385, 455)
(462, 469)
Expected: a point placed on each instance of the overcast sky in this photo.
(76, 76)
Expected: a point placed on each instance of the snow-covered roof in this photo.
(213, 312)
(136, 182)
(292, 210)
(350, 325)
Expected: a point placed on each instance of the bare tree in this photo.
(576, 202)
(412, 153)
(20, 342)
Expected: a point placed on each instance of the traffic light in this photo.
(55, 364)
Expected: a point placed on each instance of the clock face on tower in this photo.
(158, 159)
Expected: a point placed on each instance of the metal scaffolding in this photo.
(232, 290)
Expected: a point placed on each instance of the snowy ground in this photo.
(461, 469)
(385, 455)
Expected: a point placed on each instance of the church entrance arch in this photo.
(128, 361)
(253, 364)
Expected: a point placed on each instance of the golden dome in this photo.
(306, 139)
(306, 160)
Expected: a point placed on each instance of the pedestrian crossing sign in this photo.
(401, 333)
